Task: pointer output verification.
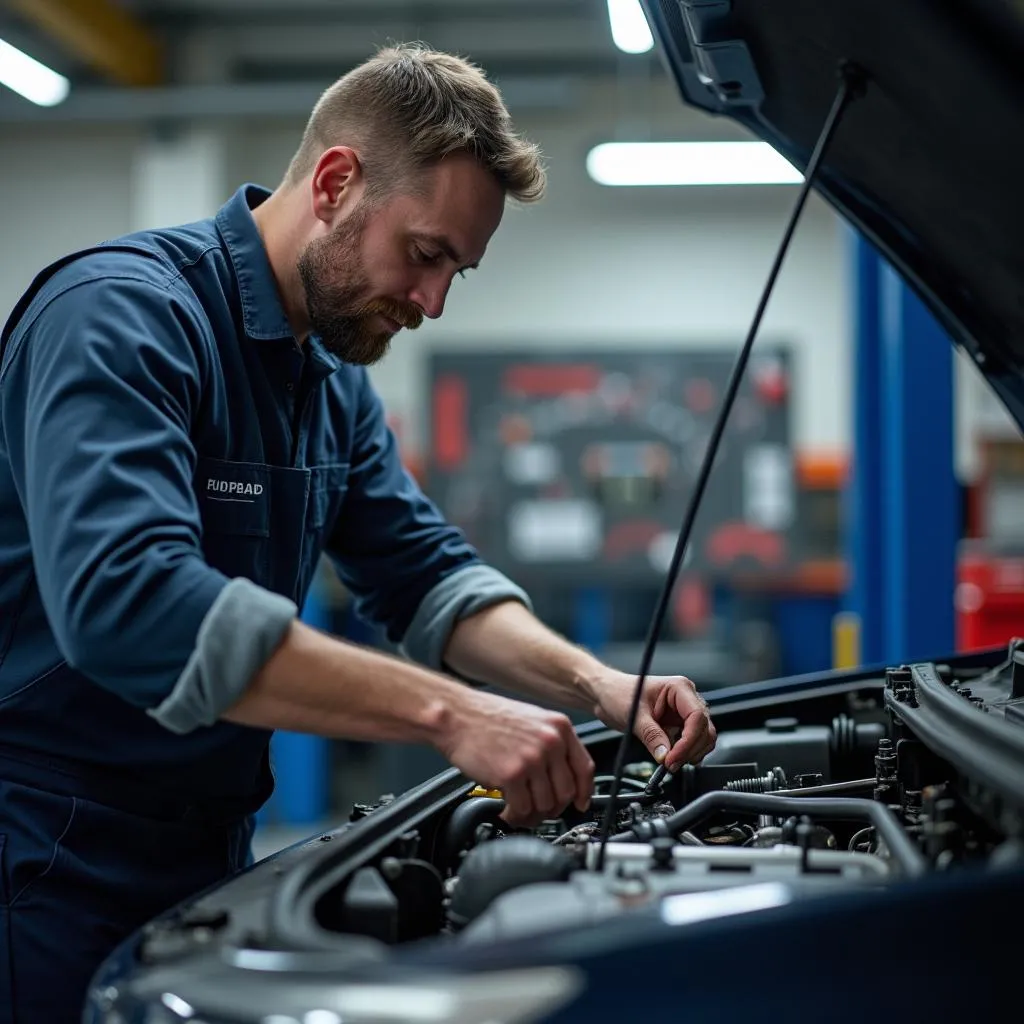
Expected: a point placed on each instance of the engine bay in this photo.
(837, 811)
(863, 789)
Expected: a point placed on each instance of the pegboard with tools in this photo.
(579, 465)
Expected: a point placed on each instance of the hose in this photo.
(491, 870)
(626, 781)
(910, 860)
(460, 830)
(858, 837)
(830, 788)
(599, 800)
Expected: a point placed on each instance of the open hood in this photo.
(928, 164)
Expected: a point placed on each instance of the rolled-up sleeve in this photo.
(98, 388)
(409, 570)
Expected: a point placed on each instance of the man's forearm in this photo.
(507, 646)
(317, 684)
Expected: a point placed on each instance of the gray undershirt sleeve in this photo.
(239, 633)
(246, 623)
(456, 597)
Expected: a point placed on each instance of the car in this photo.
(853, 849)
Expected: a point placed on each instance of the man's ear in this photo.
(337, 182)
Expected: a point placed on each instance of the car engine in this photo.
(922, 774)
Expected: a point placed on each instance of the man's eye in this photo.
(422, 256)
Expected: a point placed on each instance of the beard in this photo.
(337, 287)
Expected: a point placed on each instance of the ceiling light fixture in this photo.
(27, 77)
(690, 163)
(630, 30)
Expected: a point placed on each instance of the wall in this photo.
(58, 191)
(590, 265)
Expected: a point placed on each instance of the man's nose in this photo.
(430, 296)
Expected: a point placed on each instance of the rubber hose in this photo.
(910, 860)
(491, 870)
(462, 825)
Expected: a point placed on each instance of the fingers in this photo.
(582, 772)
(654, 738)
(542, 794)
(703, 750)
(693, 739)
(712, 739)
(558, 773)
(519, 810)
(563, 785)
(567, 777)
(699, 735)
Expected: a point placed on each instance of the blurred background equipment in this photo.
(574, 469)
(990, 576)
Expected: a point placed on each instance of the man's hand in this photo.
(506, 646)
(532, 755)
(673, 722)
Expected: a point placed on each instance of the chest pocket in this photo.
(234, 504)
(327, 487)
(327, 492)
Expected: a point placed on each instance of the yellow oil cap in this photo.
(480, 791)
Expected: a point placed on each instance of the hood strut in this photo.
(852, 83)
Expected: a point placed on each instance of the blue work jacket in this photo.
(161, 432)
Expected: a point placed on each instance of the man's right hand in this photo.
(532, 755)
(315, 683)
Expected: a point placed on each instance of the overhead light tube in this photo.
(689, 163)
(630, 31)
(29, 78)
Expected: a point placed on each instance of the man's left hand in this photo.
(673, 722)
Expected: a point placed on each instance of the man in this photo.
(186, 423)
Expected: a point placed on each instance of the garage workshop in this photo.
(503, 497)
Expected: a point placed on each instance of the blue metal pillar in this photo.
(592, 618)
(301, 762)
(921, 496)
(903, 508)
(864, 513)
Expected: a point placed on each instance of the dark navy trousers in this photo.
(78, 876)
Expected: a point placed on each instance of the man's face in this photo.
(387, 265)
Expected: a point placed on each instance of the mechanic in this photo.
(186, 424)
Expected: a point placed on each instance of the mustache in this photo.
(404, 313)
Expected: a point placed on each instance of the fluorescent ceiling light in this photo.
(27, 77)
(630, 30)
(690, 163)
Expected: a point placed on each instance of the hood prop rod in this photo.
(851, 86)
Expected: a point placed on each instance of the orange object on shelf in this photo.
(989, 599)
(821, 469)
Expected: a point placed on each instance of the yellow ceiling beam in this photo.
(103, 35)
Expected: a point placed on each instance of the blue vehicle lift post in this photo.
(592, 618)
(903, 504)
(301, 762)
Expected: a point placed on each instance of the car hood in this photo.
(928, 164)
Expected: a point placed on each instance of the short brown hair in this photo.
(407, 108)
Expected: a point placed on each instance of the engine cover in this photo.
(629, 882)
